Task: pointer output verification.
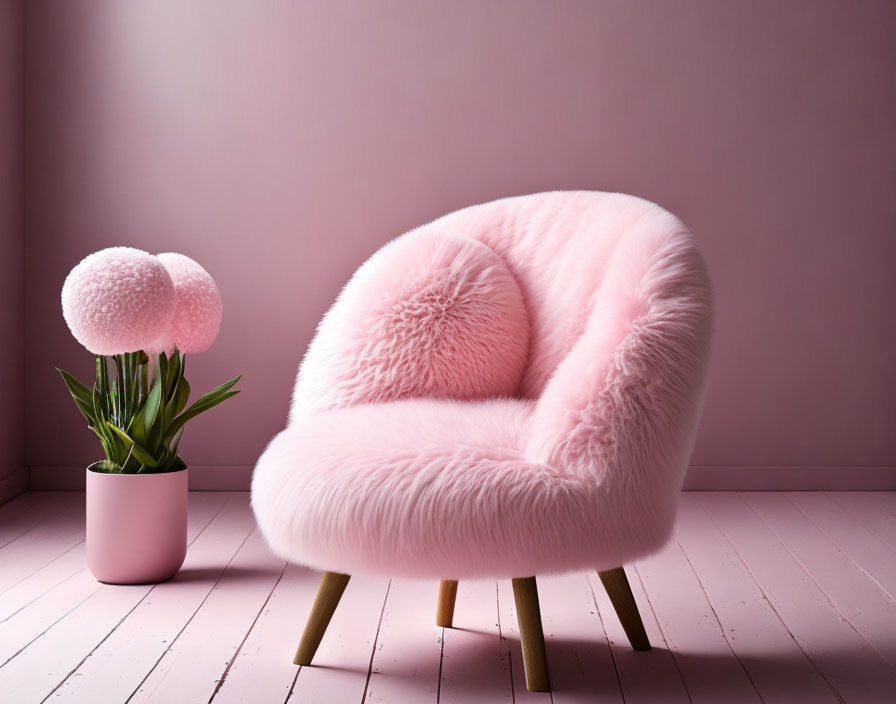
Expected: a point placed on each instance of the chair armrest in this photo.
(625, 402)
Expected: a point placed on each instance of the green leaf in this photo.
(151, 407)
(96, 401)
(162, 366)
(131, 464)
(176, 441)
(178, 401)
(217, 391)
(139, 453)
(209, 400)
(136, 427)
(75, 387)
(174, 373)
(82, 396)
(194, 411)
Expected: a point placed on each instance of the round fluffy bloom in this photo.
(118, 300)
(198, 307)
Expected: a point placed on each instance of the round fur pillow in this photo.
(429, 315)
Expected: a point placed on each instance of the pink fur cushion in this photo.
(432, 315)
(582, 470)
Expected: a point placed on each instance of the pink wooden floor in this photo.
(761, 597)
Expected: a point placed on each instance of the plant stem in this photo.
(119, 391)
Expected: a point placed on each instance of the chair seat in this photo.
(429, 488)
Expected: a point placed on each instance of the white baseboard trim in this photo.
(699, 478)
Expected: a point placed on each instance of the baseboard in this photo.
(202, 478)
(13, 485)
(699, 478)
(808, 478)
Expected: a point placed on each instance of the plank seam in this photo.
(659, 625)
(769, 601)
(292, 687)
(43, 632)
(870, 529)
(246, 636)
(842, 549)
(441, 660)
(712, 608)
(21, 535)
(501, 642)
(606, 637)
(827, 596)
(376, 638)
(189, 620)
(48, 589)
(58, 557)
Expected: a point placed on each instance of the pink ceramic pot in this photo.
(136, 526)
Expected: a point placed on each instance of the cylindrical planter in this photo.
(136, 526)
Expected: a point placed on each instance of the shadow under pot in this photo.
(136, 525)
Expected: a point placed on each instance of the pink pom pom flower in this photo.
(118, 300)
(198, 307)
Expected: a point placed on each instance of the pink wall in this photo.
(13, 478)
(282, 143)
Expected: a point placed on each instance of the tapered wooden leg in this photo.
(535, 659)
(447, 597)
(332, 585)
(620, 593)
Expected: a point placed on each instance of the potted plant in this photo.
(140, 315)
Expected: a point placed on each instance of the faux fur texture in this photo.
(432, 314)
(118, 300)
(581, 471)
(198, 307)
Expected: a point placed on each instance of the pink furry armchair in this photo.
(512, 389)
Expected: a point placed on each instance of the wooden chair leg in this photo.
(447, 597)
(332, 585)
(535, 660)
(620, 593)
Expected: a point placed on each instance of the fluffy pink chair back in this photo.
(607, 327)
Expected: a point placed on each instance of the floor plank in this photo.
(870, 553)
(34, 672)
(263, 671)
(195, 661)
(26, 625)
(475, 659)
(869, 609)
(22, 513)
(405, 666)
(709, 667)
(60, 529)
(845, 659)
(647, 677)
(339, 672)
(779, 669)
(876, 510)
(579, 658)
(40, 582)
